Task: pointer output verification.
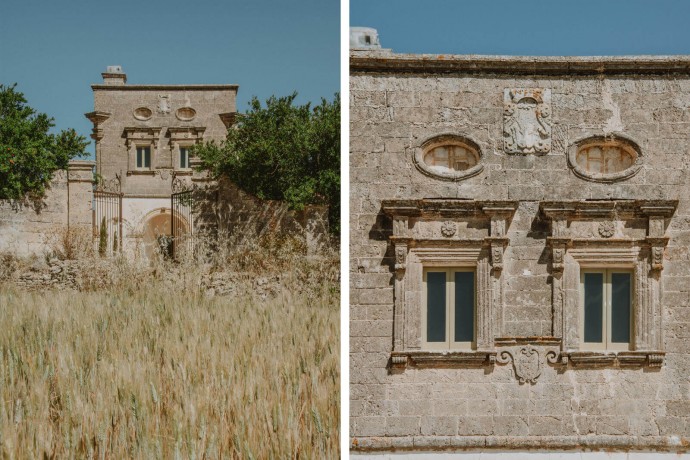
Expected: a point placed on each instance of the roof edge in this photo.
(387, 62)
(163, 87)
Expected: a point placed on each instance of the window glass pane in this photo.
(147, 157)
(183, 157)
(620, 307)
(594, 301)
(140, 158)
(464, 306)
(436, 307)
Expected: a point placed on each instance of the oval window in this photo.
(143, 113)
(185, 113)
(449, 157)
(605, 159)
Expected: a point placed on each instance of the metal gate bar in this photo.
(107, 217)
(182, 223)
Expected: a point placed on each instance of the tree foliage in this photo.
(29, 154)
(283, 152)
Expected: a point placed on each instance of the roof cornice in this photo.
(384, 62)
(165, 87)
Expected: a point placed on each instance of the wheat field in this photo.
(152, 366)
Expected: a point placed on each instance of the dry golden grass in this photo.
(153, 368)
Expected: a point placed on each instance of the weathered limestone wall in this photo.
(30, 227)
(397, 104)
(223, 209)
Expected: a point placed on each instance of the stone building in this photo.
(520, 245)
(143, 134)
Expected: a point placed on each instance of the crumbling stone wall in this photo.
(399, 401)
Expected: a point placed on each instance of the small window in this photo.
(448, 157)
(184, 157)
(605, 159)
(606, 309)
(143, 157)
(449, 314)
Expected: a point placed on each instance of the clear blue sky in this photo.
(54, 50)
(528, 27)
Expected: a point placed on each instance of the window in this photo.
(450, 304)
(143, 157)
(605, 159)
(606, 308)
(184, 157)
(448, 157)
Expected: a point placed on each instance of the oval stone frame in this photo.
(185, 114)
(143, 113)
(618, 140)
(447, 139)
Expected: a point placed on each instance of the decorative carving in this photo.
(526, 124)
(112, 185)
(400, 226)
(400, 256)
(498, 226)
(180, 185)
(525, 361)
(607, 229)
(552, 357)
(164, 103)
(657, 257)
(497, 256)
(448, 228)
(656, 226)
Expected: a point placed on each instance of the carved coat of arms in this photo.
(526, 120)
(525, 362)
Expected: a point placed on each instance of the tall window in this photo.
(143, 157)
(449, 314)
(606, 308)
(184, 157)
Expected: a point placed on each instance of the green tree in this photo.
(29, 154)
(283, 152)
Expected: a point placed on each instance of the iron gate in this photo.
(107, 221)
(182, 223)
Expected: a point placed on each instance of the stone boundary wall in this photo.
(32, 227)
(226, 210)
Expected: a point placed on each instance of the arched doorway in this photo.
(157, 232)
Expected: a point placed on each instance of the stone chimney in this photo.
(114, 76)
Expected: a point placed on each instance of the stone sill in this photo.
(524, 340)
(653, 359)
(622, 443)
(141, 172)
(400, 360)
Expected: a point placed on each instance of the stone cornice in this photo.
(446, 207)
(608, 208)
(386, 62)
(165, 87)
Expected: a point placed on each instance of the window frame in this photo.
(606, 344)
(144, 167)
(449, 343)
(186, 148)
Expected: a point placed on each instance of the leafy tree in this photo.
(29, 155)
(283, 152)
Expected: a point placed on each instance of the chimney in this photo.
(364, 38)
(114, 76)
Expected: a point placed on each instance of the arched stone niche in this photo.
(448, 157)
(605, 158)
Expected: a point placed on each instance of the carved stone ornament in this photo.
(526, 363)
(657, 257)
(448, 228)
(179, 185)
(526, 120)
(164, 103)
(607, 229)
(112, 185)
(400, 255)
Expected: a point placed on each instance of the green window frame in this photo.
(606, 309)
(449, 308)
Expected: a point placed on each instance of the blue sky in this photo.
(528, 27)
(55, 50)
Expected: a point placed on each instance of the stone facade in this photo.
(161, 119)
(549, 167)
